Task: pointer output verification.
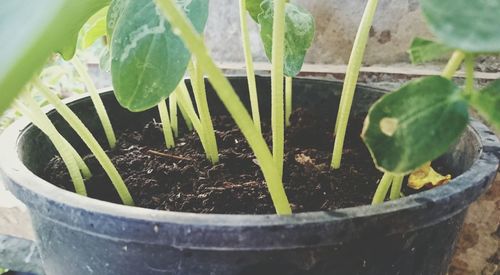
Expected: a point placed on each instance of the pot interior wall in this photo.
(36, 150)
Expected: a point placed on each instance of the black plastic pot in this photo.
(79, 235)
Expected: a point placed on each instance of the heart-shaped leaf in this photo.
(32, 30)
(423, 50)
(299, 34)
(147, 58)
(487, 103)
(472, 26)
(415, 124)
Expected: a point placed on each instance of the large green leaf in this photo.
(487, 103)
(469, 25)
(31, 31)
(416, 124)
(423, 50)
(299, 34)
(147, 58)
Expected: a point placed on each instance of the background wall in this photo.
(395, 24)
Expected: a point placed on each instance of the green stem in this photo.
(187, 105)
(382, 189)
(277, 93)
(200, 96)
(288, 99)
(38, 117)
(187, 120)
(165, 122)
(79, 160)
(174, 122)
(397, 182)
(350, 81)
(230, 99)
(252, 86)
(96, 99)
(45, 124)
(469, 71)
(89, 140)
(453, 64)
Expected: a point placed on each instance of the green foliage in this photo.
(416, 124)
(41, 27)
(299, 34)
(94, 29)
(253, 8)
(147, 57)
(487, 103)
(423, 50)
(472, 26)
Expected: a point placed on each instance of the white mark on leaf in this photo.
(141, 33)
(389, 125)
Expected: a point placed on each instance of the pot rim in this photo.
(484, 167)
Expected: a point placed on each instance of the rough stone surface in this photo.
(395, 24)
(478, 249)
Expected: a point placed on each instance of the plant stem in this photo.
(277, 93)
(89, 140)
(96, 99)
(186, 104)
(252, 86)
(230, 99)
(469, 71)
(45, 125)
(187, 120)
(174, 122)
(79, 160)
(165, 122)
(38, 117)
(288, 99)
(200, 96)
(397, 182)
(350, 81)
(382, 189)
(453, 64)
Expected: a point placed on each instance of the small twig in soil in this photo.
(168, 155)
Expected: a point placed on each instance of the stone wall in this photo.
(395, 24)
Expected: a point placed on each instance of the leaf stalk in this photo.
(351, 80)
(89, 140)
(231, 100)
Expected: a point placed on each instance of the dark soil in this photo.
(182, 179)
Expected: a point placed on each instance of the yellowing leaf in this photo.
(425, 176)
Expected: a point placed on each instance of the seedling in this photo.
(394, 127)
(99, 106)
(252, 86)
(435, 97)
(75, 164)
(151, 45)
(299, 28)
(88, 139)
(351, 80)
